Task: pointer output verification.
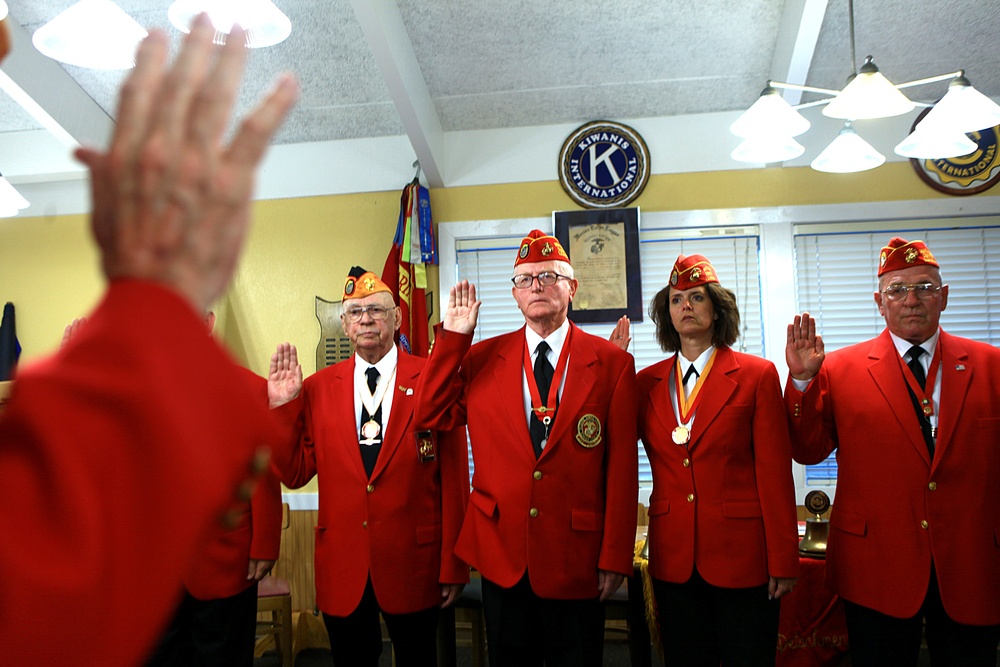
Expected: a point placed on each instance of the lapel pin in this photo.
(959, 367)
(406, 390)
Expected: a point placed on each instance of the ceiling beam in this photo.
(50, 95)
(796, 44)
(383, 27)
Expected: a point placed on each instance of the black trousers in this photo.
(878, 639)
(356, 639)
(524, 630)
(210, 633)
(702, 624)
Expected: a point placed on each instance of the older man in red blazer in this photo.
(913, 415)
(551, 522)
(391, 500)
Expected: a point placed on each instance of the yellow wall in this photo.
(302, 248)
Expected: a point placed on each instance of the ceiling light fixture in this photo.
(867, 95)
(11, 200)
(264, 23)
(96, 34)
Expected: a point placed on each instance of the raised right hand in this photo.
(804, 352)
(463, 308)
(284, 378)
(171, 199)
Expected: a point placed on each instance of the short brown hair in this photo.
(727, 323)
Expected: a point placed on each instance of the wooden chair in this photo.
(274, 603)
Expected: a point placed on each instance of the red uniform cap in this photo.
(538, 246)
(692, 271)
(361, 283)
(902, 254)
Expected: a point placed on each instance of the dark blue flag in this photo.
(10, 349)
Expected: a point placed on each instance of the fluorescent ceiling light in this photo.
(265, 24)
(930, 144)
(848, 153)
(95, 34)
(770, 115)
(767, 149)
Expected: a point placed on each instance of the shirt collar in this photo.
(556, 339)
(903, 346)
(699, 363)
(384, 365)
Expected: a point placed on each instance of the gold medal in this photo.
(681, 435)
(370, 430)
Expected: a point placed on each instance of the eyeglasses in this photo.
(375, 312)
(923, 291)
(545, 279)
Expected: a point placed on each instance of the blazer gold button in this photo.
(371, 488)
(690, 497)
(364, 524)
(537, 474)
(932, 486)
(686, 462)
(533, 512)
(923, 524)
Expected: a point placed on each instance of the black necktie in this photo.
(369, 453)
(917, 369)
(543, 380)
(687, 376)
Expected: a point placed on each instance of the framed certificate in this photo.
(603, 246)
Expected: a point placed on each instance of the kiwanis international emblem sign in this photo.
(604, 164)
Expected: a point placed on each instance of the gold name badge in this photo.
(426, 450)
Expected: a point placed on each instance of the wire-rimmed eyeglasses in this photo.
(355, 313)
(545, 279)
(923, 291)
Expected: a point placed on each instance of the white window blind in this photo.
(489, 264)
(836, 279)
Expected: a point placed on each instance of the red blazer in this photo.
(220, 567)
(568, 513)
(726, 502)
(114, 464)
(896, 509)
(400, 526)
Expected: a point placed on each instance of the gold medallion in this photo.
(370, 430)
(588, 431)
(681, 435)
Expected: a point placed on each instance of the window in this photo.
(488, 263)
(836, 268)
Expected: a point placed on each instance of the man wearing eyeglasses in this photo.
(391, 499)
(914, 417)
(551, 412)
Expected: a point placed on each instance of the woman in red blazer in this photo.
(722, 523)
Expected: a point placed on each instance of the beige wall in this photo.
(302, 248)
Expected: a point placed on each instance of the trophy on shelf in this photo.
(813, 544)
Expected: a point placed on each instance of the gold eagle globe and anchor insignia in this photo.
(588, 431)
